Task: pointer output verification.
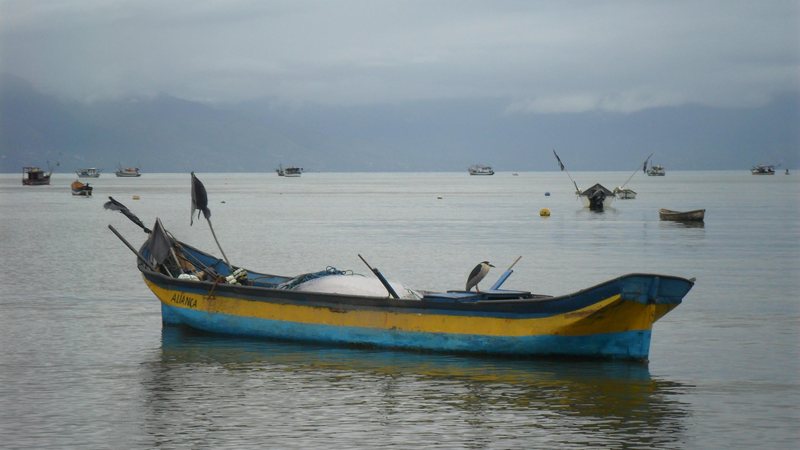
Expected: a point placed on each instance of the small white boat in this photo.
(656, 171)
(480, 169)
(762, 169)
(90, 172)
(289, 171)
(624, 194)
(128, 172)
(293, 171)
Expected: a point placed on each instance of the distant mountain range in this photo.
(168, 134)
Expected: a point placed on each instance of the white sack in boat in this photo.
(353, 285)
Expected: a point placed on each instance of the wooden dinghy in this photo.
(697, 215)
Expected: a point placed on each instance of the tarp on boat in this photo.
(595, 189)
(353, 284)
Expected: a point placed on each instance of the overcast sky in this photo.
(538, 56)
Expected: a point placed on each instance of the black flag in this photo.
(117, 206)
(159, 243)
(199, 200)
(560, 164)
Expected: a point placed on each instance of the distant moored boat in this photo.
(697, 215)
(90, 172)
(82, 189)
(624, 193)
(34, 176)
(128, 172)
(763, 169)
(293, 171)
(480, 169)
(656, 170)
(289, 171)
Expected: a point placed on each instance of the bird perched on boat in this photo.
(477, 274)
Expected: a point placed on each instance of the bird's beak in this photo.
(490, 265)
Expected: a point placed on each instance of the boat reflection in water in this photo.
(302, 395)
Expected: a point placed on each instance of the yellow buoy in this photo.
(136, 197)
(544, 212)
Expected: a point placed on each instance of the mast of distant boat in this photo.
(564, 169)
(644, 169)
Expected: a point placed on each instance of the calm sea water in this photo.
(85, 363)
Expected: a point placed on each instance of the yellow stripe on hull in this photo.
(610, 315)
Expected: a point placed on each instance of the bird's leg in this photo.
(477, 289)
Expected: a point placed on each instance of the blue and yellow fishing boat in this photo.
(613, 319)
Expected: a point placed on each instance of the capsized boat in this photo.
(613, 319)
(79, 188)
(697, 215)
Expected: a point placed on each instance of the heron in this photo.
(477, 274)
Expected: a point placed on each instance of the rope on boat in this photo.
(330, 270)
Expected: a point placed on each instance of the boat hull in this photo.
(697, 215)
(41, 182)
(480, 170)
(587, 202)
(33, 176)
(763, 170)
(81, 189)
(610, 320)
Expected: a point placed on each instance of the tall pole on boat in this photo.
(564, 169)
(200, 203)
(381, 278)
(505, 275)
(644, 167)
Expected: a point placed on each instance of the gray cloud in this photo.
(538, 56)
